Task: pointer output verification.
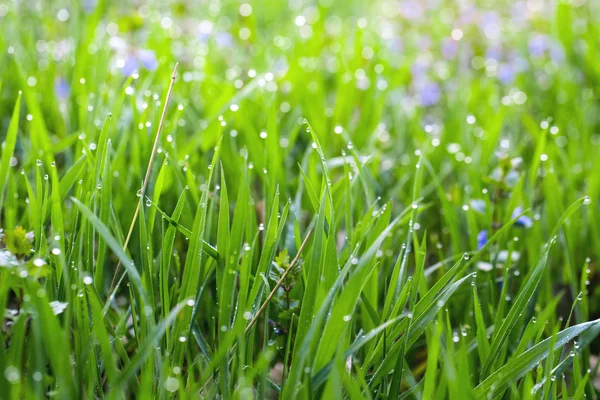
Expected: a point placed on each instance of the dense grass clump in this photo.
(299, 199)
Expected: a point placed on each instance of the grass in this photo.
(323, 200)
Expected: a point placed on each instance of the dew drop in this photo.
(12, 374)
(39, 262)
(172, 384)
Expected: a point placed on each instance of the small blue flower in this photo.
(428, 92)
(482, 238)
(395, 44)
(506, 73)
(130, 66)
(478, 205)
(449, 49)
(224, 40)
(89, 5)
(62, 88)
(147, 58)
(538, 44)
(557, 53)
(523, 221)
(494, 52)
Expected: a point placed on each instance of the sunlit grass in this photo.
(327, 200)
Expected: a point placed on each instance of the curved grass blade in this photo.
(103, 230)
(517, 367)
(9, 147)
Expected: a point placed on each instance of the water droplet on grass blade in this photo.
(587, 200)
(12, 374)
(171, 384)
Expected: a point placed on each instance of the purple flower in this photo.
(131, 64)
(523, 221)
(143, 57)
(467, 14)
(449, 49)
(148, 59)
(538, 44)
(62, 88)
(494, 52)
(419, 69)
(482, 238)
(411, 10)
(224, 39)
(89, 5)
(519, 63)
(429, 93)
(506, 73)
(395, 44)
(490, 24)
